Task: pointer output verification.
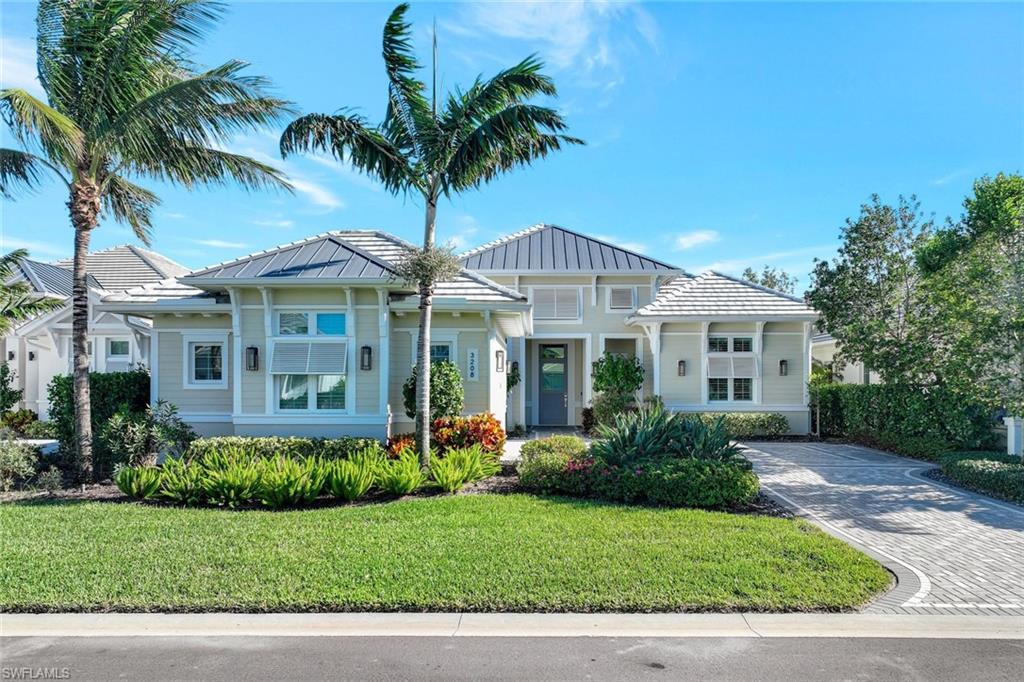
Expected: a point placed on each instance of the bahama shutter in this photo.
(732, 368)
(744, 367)
(304, 357)
(544, 304)
(621, 298)
(719, 368)
(567, 304)
(328, 358)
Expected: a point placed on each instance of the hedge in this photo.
(266, 447)
(917, 421)
(994, 473)
(108, 391)
(750, 424)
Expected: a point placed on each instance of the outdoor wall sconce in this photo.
(515, 367)
(499, 360)
(252, 359)
(10, 355)
(681, 368)
(366, 358)
(783, 368)
(31, 355)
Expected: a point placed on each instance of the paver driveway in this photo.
(953, 551)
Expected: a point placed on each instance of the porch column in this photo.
(1014, 435)
(384, 362)
(522, 379)
(236, 350)
(655, 338)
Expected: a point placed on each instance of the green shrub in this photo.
(742, 425)
(448, 474)
(350, 479)
(141, 483)
(401, 476)
(653, 431)
(18, 420)
(9, 396)
(613, 373)
(289, 482)
(17, 462)
(50, 480)
(40, 430)
(181, 483)
(569, 446)
(1003, 477)
(446, 393)
(275, 446)
(608, 405)
(547, 472)
(125, 441)
(231, 482)
(460, 466)
(107, 393)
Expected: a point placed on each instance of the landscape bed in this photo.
(448, 553)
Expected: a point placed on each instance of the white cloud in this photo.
(347, 171)
(18, 59)
(173, 216)
(794, 259)
(274, 223)
(220, 244)
(35, 248)
(639, 247)
(696, 238)
(461, 230)
(950, 177)
(318, 194)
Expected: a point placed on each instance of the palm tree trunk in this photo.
(423, 346)
(85, 208)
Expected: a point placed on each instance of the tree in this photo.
(447, 396)
(17, 300)
(124, 101)
(772, 278)
(870, 298)
(435, 149)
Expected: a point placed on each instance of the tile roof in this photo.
(127, 266)
(554, 249)
(713, 294)
(164, 290)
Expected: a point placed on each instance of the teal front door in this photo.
(554, 385)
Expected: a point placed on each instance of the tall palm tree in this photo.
(123, 101)
(478, 134)
(17, 300)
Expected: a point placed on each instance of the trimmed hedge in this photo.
(742, 425)
(914, 421)
(993, 473)
(280, 446)
(108, 392)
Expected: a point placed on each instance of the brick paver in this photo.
(953, 551)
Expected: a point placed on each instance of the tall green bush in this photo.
(447, 397)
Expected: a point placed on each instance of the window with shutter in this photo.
(556, 304)
(309, 358)
(621, 298)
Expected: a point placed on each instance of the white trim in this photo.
(523, 365)
(757, 387)
(559, 320)
(704, 326)
(154, 367)
(808, 359)
(206, 417)
(742, 406)
(384, 349)
(588, 340)
(269, 397)
(608, 298)
(208, 337)
(311, 389)
(236, 361)
(324, 418)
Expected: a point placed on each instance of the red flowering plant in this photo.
(461, 432)
(399, 442)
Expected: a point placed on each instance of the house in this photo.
(40, 348)
(317, 337)
(823, 352)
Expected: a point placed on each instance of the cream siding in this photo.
(367, 333)
(782, 390)
(254, 383)
(171, 378)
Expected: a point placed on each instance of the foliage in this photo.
(108, 393)
(9, 396)
(40, 430)
(743, 425)
(614, 373)
(911, 420)
(482, 429)
(475, 462)
(607, 406)
(231, 482)
(571, 447)
(17, 461)
(19, 421)
(267, 447)
(446, 393)
(401, 476)
(548, 472)
(289, 482)
(17, 300)
(131, 438)
(181, 483)
(50, 480)
(485, 553)
(1001, 477)
(514, 377)
(435, 264)
(350, 479)
(589, 420)
(400, 442)
(448, 474)
(141, 483)
(772, 278)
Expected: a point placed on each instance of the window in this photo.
(206, 363)
(330, 324)
(293, 392)
(621, 298)
(718, 389)
(718, 344)
(440, 352)
(310, 324)
(289, 324)
(742, 389)
(117, 348)
(325, 392)
(330, 392)
(742, 344)
(556, 304)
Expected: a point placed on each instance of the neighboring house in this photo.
(40, 348)
(710, 343)
(823, 351)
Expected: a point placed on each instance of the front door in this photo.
(554, 386)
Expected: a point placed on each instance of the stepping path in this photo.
(953, 551)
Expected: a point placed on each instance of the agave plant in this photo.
(289, 482)
(142, 483)
(651, 431)
(181, 483)
(349, 479)
(401, 476)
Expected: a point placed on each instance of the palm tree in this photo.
(123, 101)
(479, 134)
(17, 300)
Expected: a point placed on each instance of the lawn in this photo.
(468, 552)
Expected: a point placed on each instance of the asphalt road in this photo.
(472, 658)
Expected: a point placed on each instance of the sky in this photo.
(719, 136)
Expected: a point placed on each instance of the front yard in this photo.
(467, 552)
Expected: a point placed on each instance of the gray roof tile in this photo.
(126, 266)
(713, 294)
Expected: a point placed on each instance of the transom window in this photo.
(718, 344)
(310, 323)
(740, 344)
(117, 348)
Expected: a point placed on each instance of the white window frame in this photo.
(558, 320)
(119, 358)
(754, 353)
(608, 298)
(311, 385)
(208, 338)
(311, 323)
(449, 344)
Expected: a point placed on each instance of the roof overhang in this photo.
(227, 282)
(150, 308)
(581, 273)
(637, 320)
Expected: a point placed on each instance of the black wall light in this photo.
(681, 368)
(499, 360)
(366, 358)
(783, 368)
(10, 355)
(252, 359)
(31, 355)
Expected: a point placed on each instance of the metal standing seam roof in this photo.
(47, 279)
(551, 249)
(713, 294)
(127, 266)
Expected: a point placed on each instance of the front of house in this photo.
(317, 337)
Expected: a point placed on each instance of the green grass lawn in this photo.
(470, 552)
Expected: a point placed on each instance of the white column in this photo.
(236, 350)
(588, 361)
(1014, 435)
(704, 327)
(154, 365)
(268, 333)
(384, 361)
(807, 363)
(522, 379)
(655, 339)
(759, 353)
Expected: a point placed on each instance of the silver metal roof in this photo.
(47, 279)
(553, 249)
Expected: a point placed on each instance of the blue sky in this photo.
(719, 135)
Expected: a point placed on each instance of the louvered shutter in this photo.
(567, 305)
(290, 358)
(544, 304)
(719, 368)
(744, 368)
(328, 358)
(621, 298)
(303, 357)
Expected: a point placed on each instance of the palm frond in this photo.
(349, 138)
(409, 121)
(9, 263)
(193, 165)
(32, 119)
(20, 170)
(131, 204)
(17, 300)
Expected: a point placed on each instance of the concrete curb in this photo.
(750, 625)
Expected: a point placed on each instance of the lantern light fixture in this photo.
(252, 359)
(783, 368)
(366, 358)
(681, 368)
(499, 361)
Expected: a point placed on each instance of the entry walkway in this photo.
(953, 551)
